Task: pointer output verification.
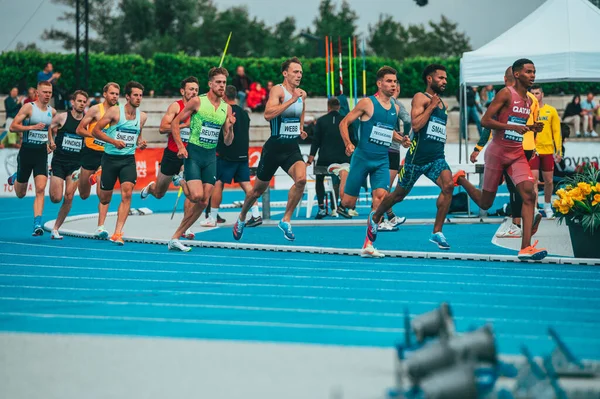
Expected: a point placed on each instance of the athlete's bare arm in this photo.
(422, 108)
(274, 106)
(111, 117)
(57, 122)
(89, 117)
(192, 106)
(364, 107)
(141, 143)
(501, 100)
(167, 119)
(303, 134)
(17, 123)
(228, 126)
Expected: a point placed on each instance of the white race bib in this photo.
(37, 137)
(290, 128)
(210, 133)
(184, 132)
(511, 135)
(129, 138)
(72, 142)
(382, 135)
(436, 131)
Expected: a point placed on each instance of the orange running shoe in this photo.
(457, 175)
(95, 177)
(117, 239)
(532, 253)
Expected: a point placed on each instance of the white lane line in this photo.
(455, 304)
(288, 286)
(301, 277)
(209, 322)
(578, 324)
(246, 266)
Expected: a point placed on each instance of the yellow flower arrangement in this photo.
(579, 200)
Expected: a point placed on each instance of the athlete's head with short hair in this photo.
(509, 79)
(79, 100)
(524, 72)
(291, 70)
(590, 96)
(44, 91)
(217, 80)
(387, 79)
(110, 92)
(333, 104)
(189, 88)
(230, 93)
(435, 77)
(134, 91)
(538, 92)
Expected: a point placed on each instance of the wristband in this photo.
(478, 148)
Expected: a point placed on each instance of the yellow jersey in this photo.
(92, 142)
(549, 140)
(528, 138)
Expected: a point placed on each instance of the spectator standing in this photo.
(12, 105)
(588, 109)
(31, 96)
(573, 114)
(256, 99)
(473, 108)
(487, 95)
(242, 85)
(47, 74)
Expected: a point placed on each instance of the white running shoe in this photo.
(397, 221)
(209, 222)
(549, 212)
(371, 252)
(386, 226)
(146, 191)
(189, 235)
(513, 231)
(177, 179)
(594, 134)
(334, 168)
(55, 235)
(352, 212)
(75, 175)
(101, 233)
(334, 214)
(176, 245)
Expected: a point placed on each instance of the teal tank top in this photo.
(375, 135)
(127, 131)
(428, 143)
(37, 138)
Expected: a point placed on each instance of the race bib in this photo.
(129, 137)
(290, 128)
(184, 132)
(37, 137)
(511, 135)
(72, 142)
(382, 135)
(436, 130)
(209, 133)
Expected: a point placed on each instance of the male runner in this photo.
(511, 110)
(425, 156)
(513, 230)
(121, 139)
(232, 162)
(208, 114)
(378, 115)
(33, 120)
(285, 111)
(548, 146)
(91, 153)
(171, 164)
(67, 157)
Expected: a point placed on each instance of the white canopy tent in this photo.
(560, 37)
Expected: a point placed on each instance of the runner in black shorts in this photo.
(67, 157)
(33, 121)
(285, 111)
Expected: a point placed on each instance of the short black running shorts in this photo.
(31, 160)
(276, 154)
(115, 167)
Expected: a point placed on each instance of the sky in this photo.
(482, 20)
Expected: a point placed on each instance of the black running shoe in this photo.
(253, 222)
(321, 214)
(343, 212)
(220, 220)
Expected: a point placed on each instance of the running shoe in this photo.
(532, 253)
(321, 214)
(101, 233)
(397, 221)
(94, 178)
(439, 239)
(176, 245)
(386, 226)
(286, 227)
(254, 221)
(549, 213)
(594, 134)
(371, 252)
(220, 220)
(55, 235)
(209, 222)
(334, 168)
(176, 179)
(12, 179)
(117, 239)
(457, 175)
(536, 223)
(372, 227)
(188, 235)
(75, 175)
(353, 213)
(238, 229)
(334, 213)
(344, 212)
(146, 191)
(513, 231)
(37, 230)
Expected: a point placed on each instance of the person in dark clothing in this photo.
(332, 152)
(242, 85)
(573, 114)
(473, 108)
(12, 105)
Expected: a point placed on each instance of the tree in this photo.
(388, 38)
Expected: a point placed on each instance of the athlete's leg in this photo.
(320, 189)
(393, 174)
(548, 185)
(343, 177)
(196, 208)
(40, 182)
(217, 195)
(57, 187)
(483, 198)
(124, 206)
(160, 188)
(102, 207)
(527, 192)
(444, 181)
(84, 183)
(65, 208)
(297, 172)
(252, 196)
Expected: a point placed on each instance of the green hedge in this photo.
(163, 72)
